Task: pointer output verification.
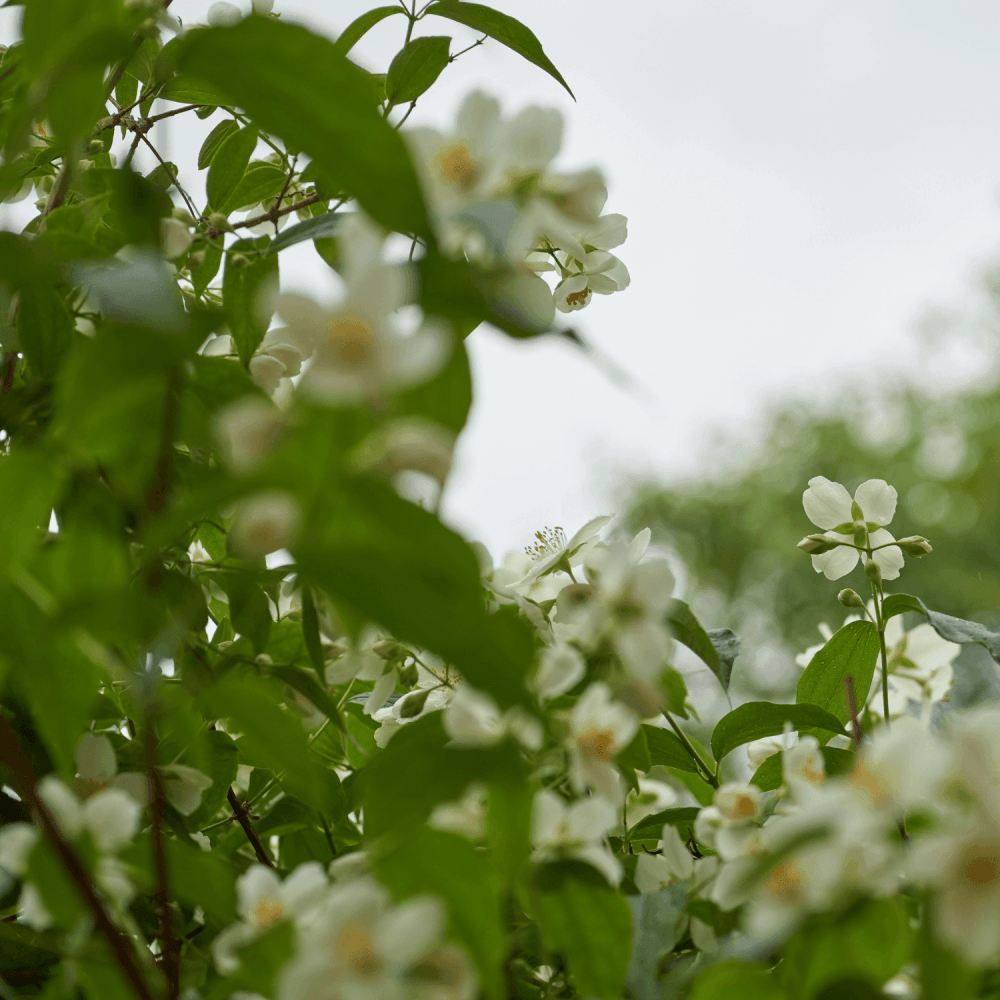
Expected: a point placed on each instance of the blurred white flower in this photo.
(560, 668)
(466, 817)
(599, 729)
(660, 871)
(575, 830)
(652, 797)
(245, 429)
(263, 523)
(175, 238)
(598, 272)
(223, 15)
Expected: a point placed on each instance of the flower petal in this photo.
(837, 562)
(877, 500)
(827, 504)
(890, 560)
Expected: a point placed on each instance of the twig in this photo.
(171, 951)
(8, 373)
(852, 707)
(13, 756)
(176, 111)
(168, 431)
(172, 174)
(695, 756)
(276, 213)
(244, 820)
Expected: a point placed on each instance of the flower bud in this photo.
(850, 598)
(183, 215)
(264, 523)
(860, 535)
(219, 222)
(815, 545)
(389, 649)
(408, 675)
(85, 165)
(915, 545)
(239, 260)
(95, 147)
(196, 260)
(413, 704)
(872, 571)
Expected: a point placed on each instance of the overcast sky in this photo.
(802, 179)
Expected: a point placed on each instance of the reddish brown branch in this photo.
(13, 756)
(239, 810)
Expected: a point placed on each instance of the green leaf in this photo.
(260, 182)
(394, 563)
(28, 488)
(502, 27)
(360, 26)
(249, 610)
(687, 629)
(307, 685)
(851, 652)
(652, 826)
(588, 923)
(674, 692)
(449, 867)
(310, 633)
(202, 275)
(636, 754)
(318, 227)
(247, 283)
(44, 328)
(229, 164)
(446, 398)
(950, 628)
(299, 86)
(659, 919)
(757, 719)
(415, 68)
(667, 749)
(220, 761)
(770, 774)
(223, 131)
(729, 980)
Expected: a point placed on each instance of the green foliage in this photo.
(757, 719)
(415, 68)
(850, 653)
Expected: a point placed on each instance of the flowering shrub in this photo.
(268, 727)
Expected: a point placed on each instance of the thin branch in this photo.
(168, 431)
(173, 176)
(474, 45)
(852, 707)
(277, 213)
(695, 756)
(13, 756)
(8, 373)
(244, 820)
(171, 950)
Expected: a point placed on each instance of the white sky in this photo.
(801, 179)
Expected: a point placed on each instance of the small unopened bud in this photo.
(413, 704)
(850, 598)
(239, 260)
(263, 660)
(95, 146)
(86, 165)
(183, 215)
(815, 545)
(388, 649)
(196, 260)
(873, 572)
(860, 535)
(915, 545)
(408, 675)
(219, 222)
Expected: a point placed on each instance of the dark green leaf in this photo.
(666, 748)
(727, 645)
(851, 652)
(652, 826)
(285, 78)
(28, 487)
(360, 26)
(44, 327)
(307, 685)
(249, 610)
(247, 283)
(318, 227)
(770, 774)
(260, 182)
(674, 692)
(221, 766)
(588, 923)
(687, 629)
(950, 628)
(636, 754)
(757, 719)
(503, 28)
(446, 398)
(310, 632)
(223, 131)
(415, 68)
(729, 980)
(229, 164)
(202, 275)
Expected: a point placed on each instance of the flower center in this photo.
(597, 743)
(863, 777)
(981, 869)
(580, 298)
(355, 951)
(265, 534)
(351, 339)
(457, 166)
(785, 881)
(267, 911)
(744, 807)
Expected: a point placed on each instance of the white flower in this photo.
(183, 785)
(224, 15)
(803, 767)
(175, 238)
(759, 750)
(245, 431)
(598, 272)
(920, 669)
(965, 868)
(264, 523)
(262, 900)
(393, 718)
(411, 444)
(653, 797)
(829, 506)
(359, 947)
(599, 729)
(466, 817)
(660, 871)
(262, 7)
(729, 825)
(575, 830)
(473, 719)
(560, 668)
